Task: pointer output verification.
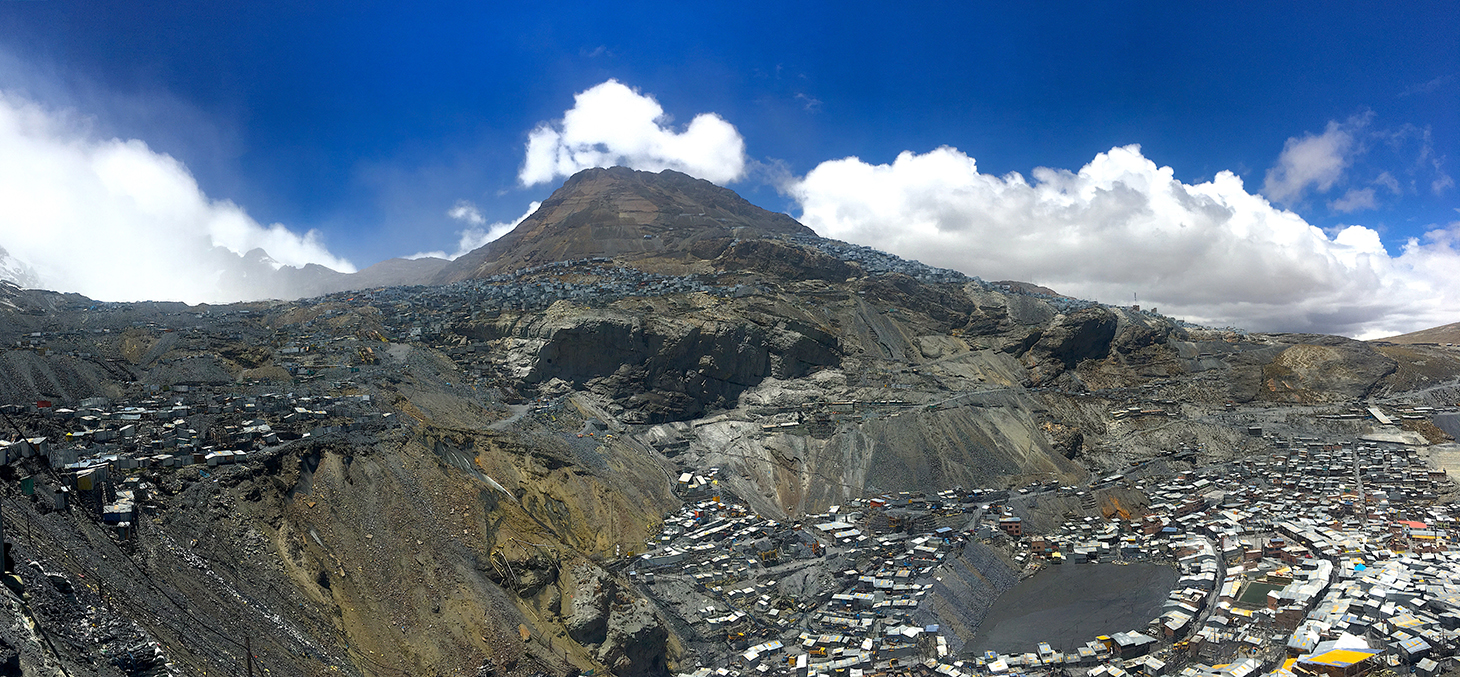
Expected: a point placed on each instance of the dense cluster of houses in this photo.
(1319, 559)
(93, 444)
(736, 575)
(1277, 555)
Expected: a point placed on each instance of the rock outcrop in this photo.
(659, 368)
(814, 584)
(593, 592)
(1323, 368)
(783, 261)
(625, 634)
(635, 642)
(950, 308)
(1068, 340)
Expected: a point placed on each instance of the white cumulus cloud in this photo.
(1210, 252)
(114, 220)
(464, 210)
(1312, 161)
(611, 124)
(476, 235)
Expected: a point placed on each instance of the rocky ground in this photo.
(544, 438)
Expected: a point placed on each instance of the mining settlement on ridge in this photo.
(656, 430)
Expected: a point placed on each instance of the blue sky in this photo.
(368, 122)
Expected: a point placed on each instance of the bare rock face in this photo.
(636, 641)
(1138, 338)
(1066, 440)
(630, 638)
(1323, 368)
(899, 290)
(528, 576)
(594, 590)
(1081, 335)
(784, 261)
(661, 368)
(1143, 347)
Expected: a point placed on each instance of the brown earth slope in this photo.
(1443, 334)
(622, 212)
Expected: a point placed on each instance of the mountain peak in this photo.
(625, 214)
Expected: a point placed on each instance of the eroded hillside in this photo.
(451, 479)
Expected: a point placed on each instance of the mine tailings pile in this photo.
(963, 591)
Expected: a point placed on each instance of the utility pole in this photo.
(248, 653)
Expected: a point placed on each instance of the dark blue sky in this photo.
(368, 121)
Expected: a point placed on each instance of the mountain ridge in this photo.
(1443, 334)
(624, 213)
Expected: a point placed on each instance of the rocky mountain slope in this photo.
(1444, 334)
(633, 215)
(449, 479)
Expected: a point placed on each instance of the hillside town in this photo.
(1321, 558)
(1331, 556)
